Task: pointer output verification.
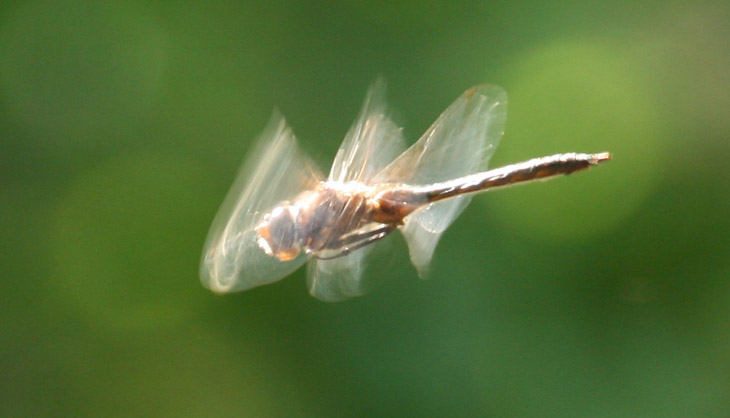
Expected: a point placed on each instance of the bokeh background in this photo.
(606, 294)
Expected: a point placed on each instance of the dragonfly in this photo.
(281, 212)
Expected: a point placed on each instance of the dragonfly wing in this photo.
(339, 278)
(459, 143)
(423, 229)
(372, 142)
(276, 170)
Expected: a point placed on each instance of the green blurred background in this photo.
(605, 294)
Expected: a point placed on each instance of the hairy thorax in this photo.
(336, 218)
(335, 211)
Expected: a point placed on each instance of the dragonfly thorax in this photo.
(326, 222)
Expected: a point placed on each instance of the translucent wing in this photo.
(460, 142)
(275, 171)
(372, 142)
(339, 278)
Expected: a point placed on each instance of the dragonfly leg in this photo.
(356, 241)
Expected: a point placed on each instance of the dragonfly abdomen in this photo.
(534, 169)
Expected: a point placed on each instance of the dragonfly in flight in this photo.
(281, 212)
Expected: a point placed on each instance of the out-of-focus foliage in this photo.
(606, 294)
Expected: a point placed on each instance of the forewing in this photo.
(460, 142)
(372, 142)
(276, 170)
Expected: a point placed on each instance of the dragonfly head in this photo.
(279, 233)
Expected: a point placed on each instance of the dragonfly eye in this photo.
(279, 233)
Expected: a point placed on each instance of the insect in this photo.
(281, 212)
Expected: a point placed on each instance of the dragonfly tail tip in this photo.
(601, 157)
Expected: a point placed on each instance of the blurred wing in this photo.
(275, 171)
(338, 278)
(460, 142)
(372, 142)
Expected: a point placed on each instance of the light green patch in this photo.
(127, 239)
(578, 97)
